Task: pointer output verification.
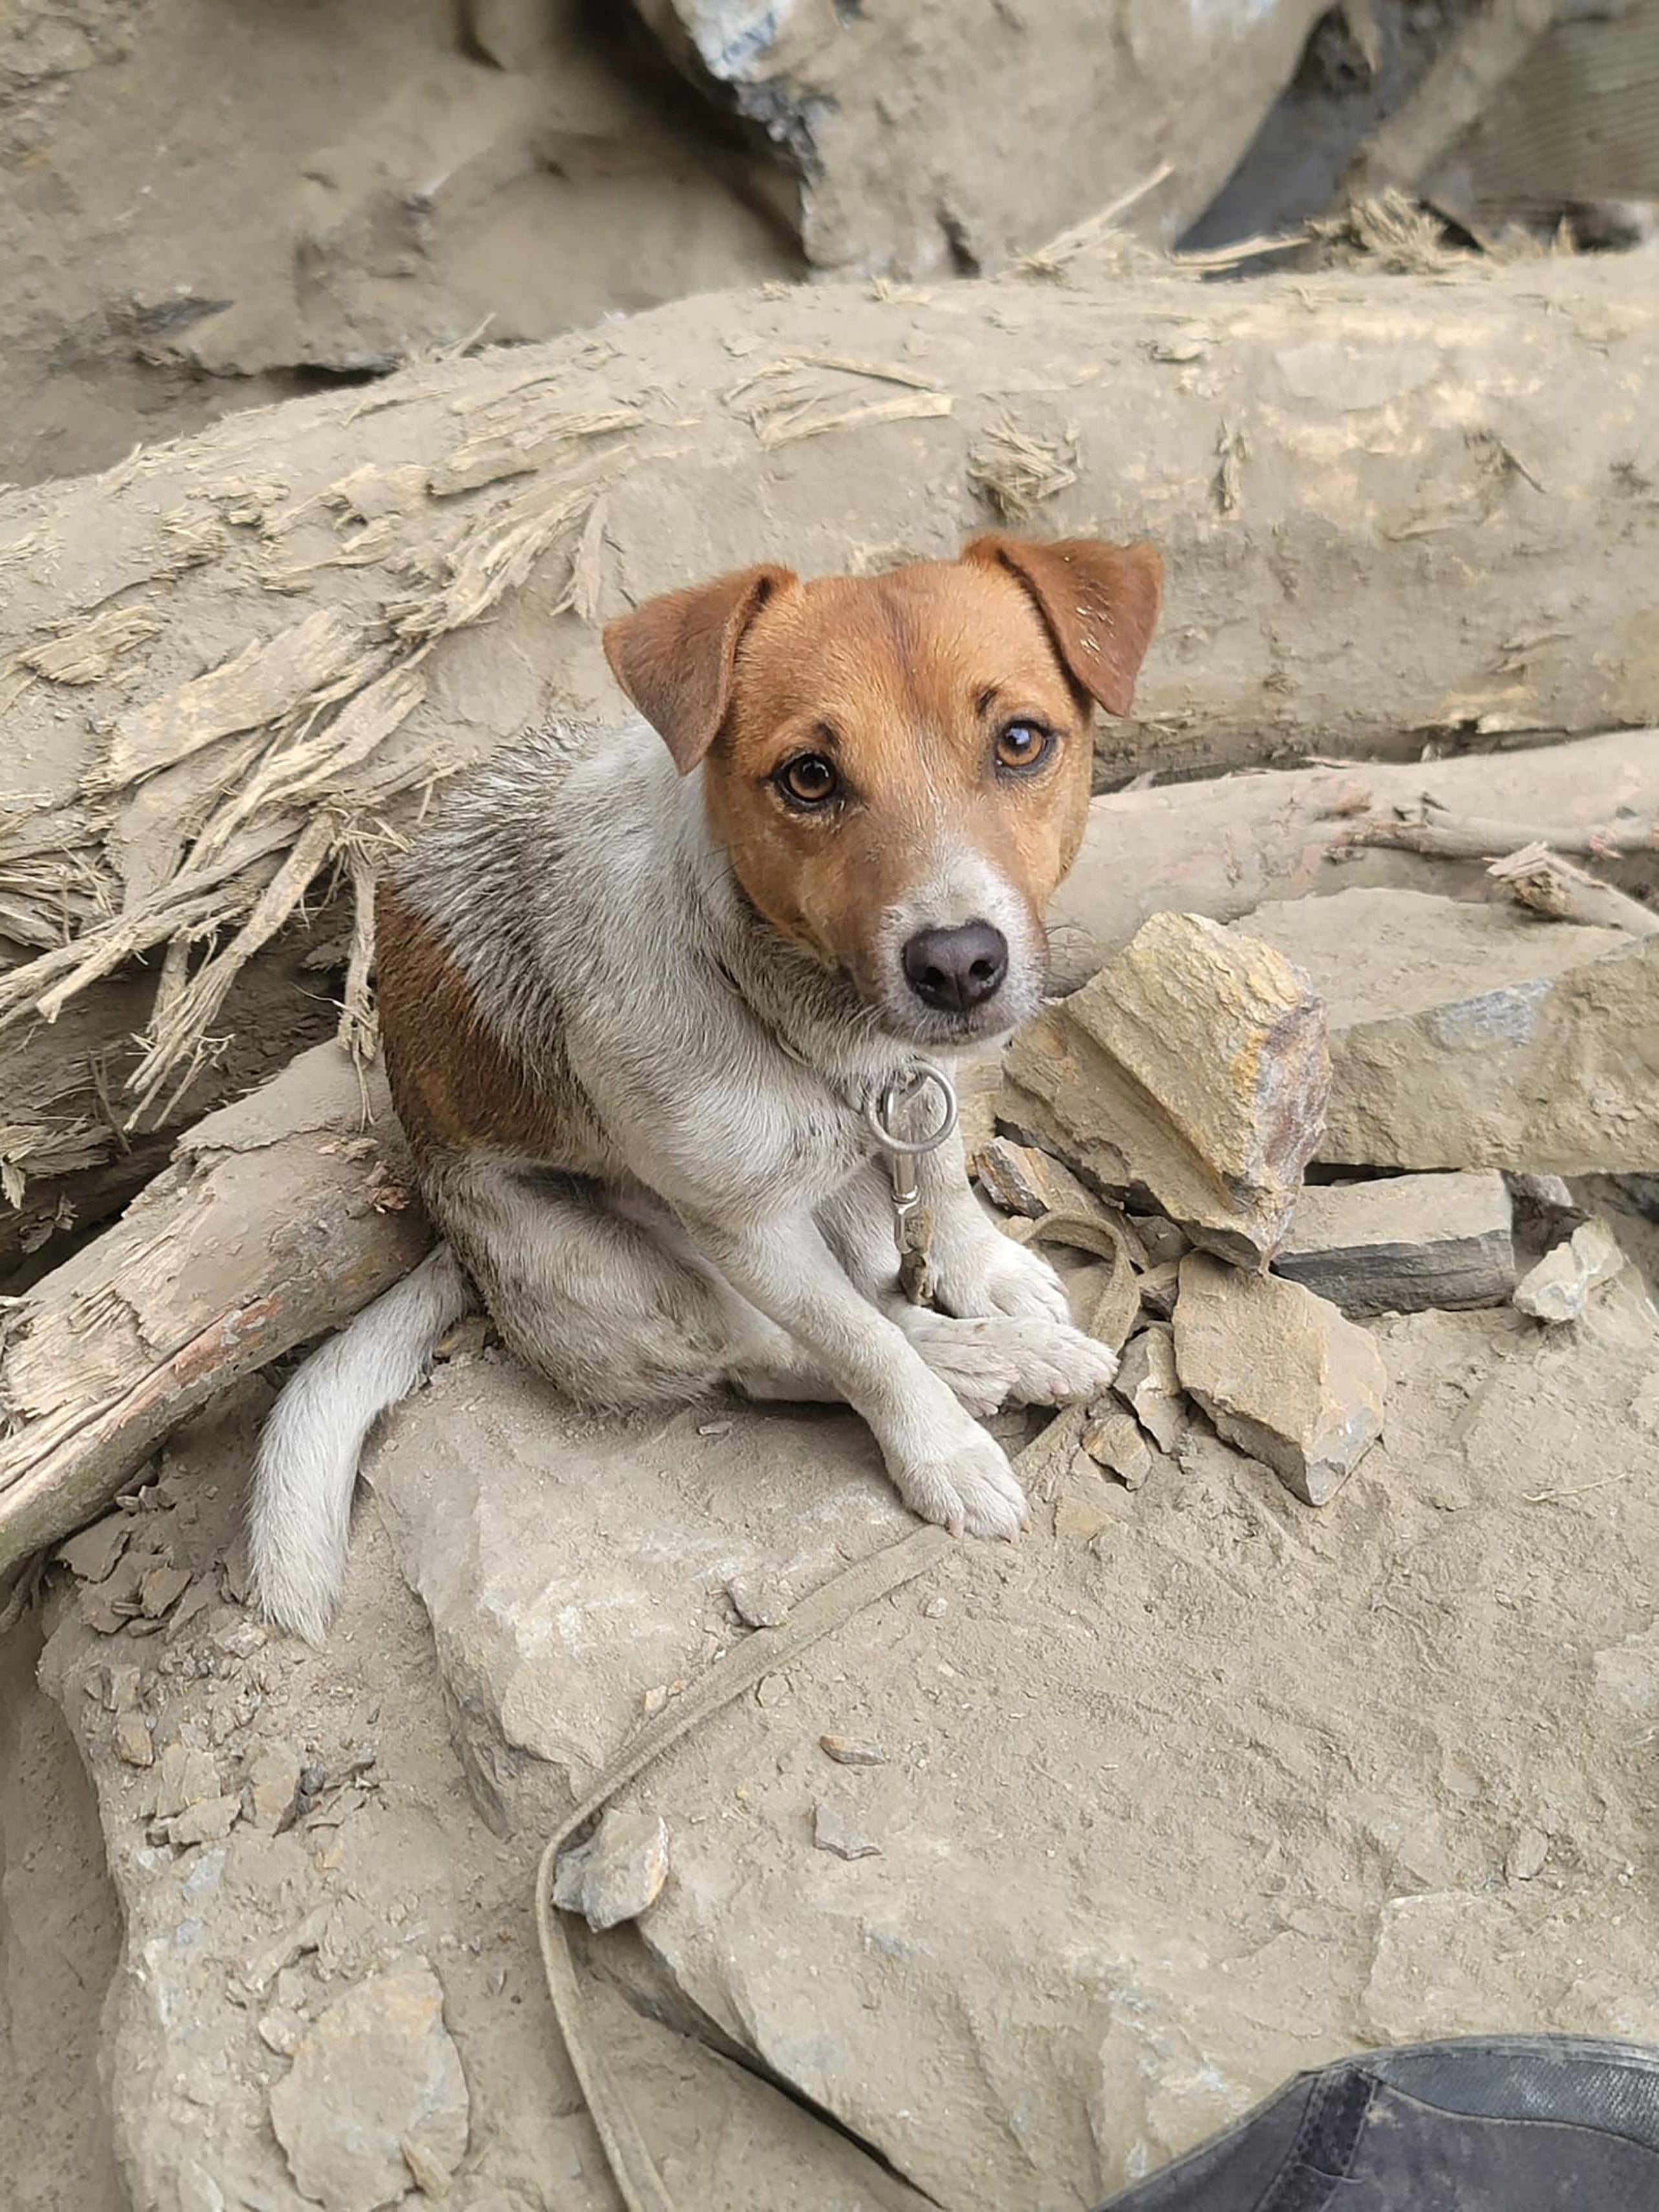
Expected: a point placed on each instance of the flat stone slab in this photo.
(1478, 1036)
(1402, 1244)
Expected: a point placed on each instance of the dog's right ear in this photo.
(675, 656)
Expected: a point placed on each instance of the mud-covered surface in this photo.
(1195, 1787)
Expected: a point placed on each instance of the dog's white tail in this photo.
(300, 1517)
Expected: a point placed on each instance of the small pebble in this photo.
(162, 1587)
(619, 1873)
(755, 1605)
(848, 1751)
(936, 1609)
(280, 2030)
(715, 1428)
(131, 1740)
(1526, 1856)
(209, 1822)
(428, 2175)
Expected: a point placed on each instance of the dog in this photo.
(635, 1004)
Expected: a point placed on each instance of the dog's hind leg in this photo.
(607, 1297)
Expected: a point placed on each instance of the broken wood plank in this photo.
(279, 1218)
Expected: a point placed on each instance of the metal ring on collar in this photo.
(882, 1105)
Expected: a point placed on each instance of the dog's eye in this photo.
(809, 780)
(1022, 745)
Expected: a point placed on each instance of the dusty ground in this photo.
(1202, 1788)
(60, 1938)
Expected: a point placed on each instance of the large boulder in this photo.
(935, 137)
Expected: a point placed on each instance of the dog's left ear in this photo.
(675, 656)
(1100, 603)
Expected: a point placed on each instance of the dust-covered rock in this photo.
(1022, 1180)
(376, 2071)
(1558, 1288)
(1148, 1384)
(1281, 1373)
(1114, 1440)
(619, 1873)
(911, 155)
(1404, 1243)
(1193, 1065)
(1465, 1035)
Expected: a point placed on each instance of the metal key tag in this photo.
(913, 1222)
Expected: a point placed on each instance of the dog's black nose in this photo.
(956, 968)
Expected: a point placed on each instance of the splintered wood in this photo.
(278, 1220)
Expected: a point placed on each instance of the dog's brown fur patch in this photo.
(454, 1085)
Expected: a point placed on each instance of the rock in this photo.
(755, 1604)
(1525, 1856)
(619, 1873)
(1404, 1243)
(1558, 1288)
(273, 1778)
(122, 1687)
(1159, 1288)
(280, 2030)
(979, 1082)
(109, 1605)
(1080, 1513)
(92, 1555)
(209, 1822)
(184, 1778)
(262, 1967)
(1148, 1383)
(910, 155)
(131, 1740)
(848, 1751)
(1281, 1373)
(551, 1653)
(1467, 1036)
(1115, 1440)
(1022, 1180)
(1626, 1675)
(1194, 1066)
(1543, 1194)
(833, 1831)
(426, 2171)
(374, 2074)
(1160, 1240)
(162, 1588)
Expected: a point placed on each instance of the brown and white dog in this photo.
(635, 1005)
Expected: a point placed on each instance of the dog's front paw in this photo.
(1058, 1365)
(989, 1363)
(978, 1271)
(970, 1488)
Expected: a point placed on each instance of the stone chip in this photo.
(619, 1873)
(1558, 1288)
(374, 2075)
(1148, 1383)
(1281, 1373)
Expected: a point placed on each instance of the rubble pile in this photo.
(1242, 1102)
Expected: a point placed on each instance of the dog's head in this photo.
(899, 765)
